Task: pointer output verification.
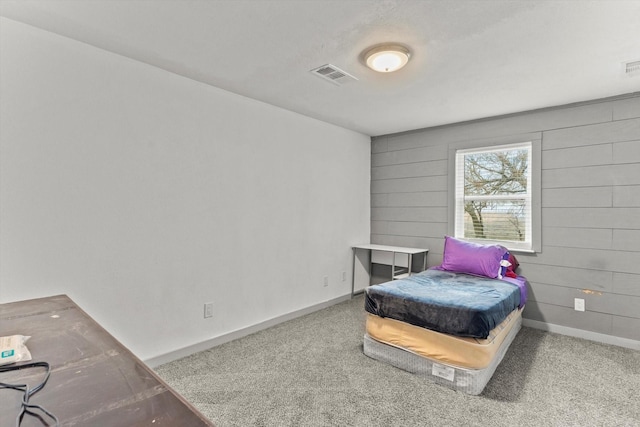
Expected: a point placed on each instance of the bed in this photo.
(453, 323)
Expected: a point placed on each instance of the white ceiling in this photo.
(471, 59)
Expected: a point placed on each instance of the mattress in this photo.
(465, 352)
(452, 303)
(466, 380)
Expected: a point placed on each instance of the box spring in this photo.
(470, 381)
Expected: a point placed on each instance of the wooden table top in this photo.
(95, 380)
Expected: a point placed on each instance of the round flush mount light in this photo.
(386, 58)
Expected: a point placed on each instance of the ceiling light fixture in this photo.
(387, 57)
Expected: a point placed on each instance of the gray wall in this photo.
(590, 207)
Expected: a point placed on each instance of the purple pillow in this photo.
(473, 258)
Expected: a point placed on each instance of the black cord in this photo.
(26, 407)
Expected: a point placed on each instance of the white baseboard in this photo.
(579, 333)
(205, 345)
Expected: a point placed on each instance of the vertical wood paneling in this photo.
(379, 145)
(422, 154)
(596, 301)
(625, 327)
(379, 227)
(626, 284)
(409, 170)
(566, 316)
(627, 218)
(568, 276)
(626, 196)
(592, 176)
(572, 237)
(627, 240)
(601, 133)
(627, 108)
(409, 185)
(423, 198)
(595, 197)
(626, 152)
(590, 198)
(577, 157)
(380, 200)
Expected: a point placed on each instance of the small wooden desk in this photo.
(95, 380)
(394, 250)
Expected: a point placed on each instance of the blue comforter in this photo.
(453, 303)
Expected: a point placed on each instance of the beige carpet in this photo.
(311, 372)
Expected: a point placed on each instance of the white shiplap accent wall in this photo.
(590, 207)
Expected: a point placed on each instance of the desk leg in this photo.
(370, 272)
(393, 265)
(353, 273)
(360, 267)
(409, 261)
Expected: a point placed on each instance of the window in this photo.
(494, 195)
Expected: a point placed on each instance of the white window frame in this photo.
(532, 142)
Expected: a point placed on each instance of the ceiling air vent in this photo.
(632, 68)
(333, 74)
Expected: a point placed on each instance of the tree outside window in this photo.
(493, 194)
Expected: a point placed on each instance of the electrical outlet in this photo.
(578, 304)
(208, 310)
(344, 276)
(326, 281)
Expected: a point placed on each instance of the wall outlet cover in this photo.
(208, 310)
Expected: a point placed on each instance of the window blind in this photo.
(493, 195)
